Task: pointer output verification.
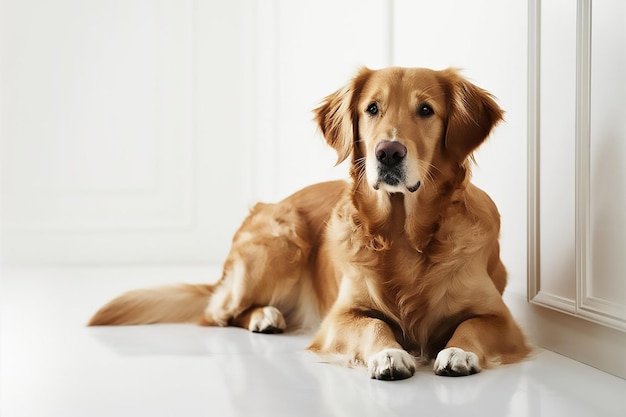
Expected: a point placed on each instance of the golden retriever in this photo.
(400, 262)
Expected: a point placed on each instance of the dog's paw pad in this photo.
(456, 362)
(391, 364)
(267, 320)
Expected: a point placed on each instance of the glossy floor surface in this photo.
(52, 365)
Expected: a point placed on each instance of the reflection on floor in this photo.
(52, 365)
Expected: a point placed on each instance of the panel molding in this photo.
(216, 84)
(585, 305)
(588, 306)
(161, 215)
(55, 197)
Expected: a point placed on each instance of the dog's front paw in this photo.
(456, 362)
(267, 320)
(391, 364)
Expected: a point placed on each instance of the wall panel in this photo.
(142, 131)
(103, 155)
(604, 282)
(580, 210)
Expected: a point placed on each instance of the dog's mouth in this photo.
(396, 181)
(392, 174)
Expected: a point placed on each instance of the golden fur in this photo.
(401, 261)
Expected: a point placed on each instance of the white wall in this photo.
(140, 131)
(303, 52)
(488, 41)
(118, 122)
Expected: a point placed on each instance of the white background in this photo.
(142, 131)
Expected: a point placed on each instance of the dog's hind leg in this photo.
(263, 271)
(266, 319)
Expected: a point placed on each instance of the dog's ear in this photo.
(472, 113)
(337, 116)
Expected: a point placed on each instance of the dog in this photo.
(399, 263)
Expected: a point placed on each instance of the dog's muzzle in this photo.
(391, 157)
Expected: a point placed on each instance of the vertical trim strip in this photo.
(587, 306)
(583, 133)
(534, 84)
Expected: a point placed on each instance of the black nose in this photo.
(390, 153)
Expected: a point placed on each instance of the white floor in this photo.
(52, 365)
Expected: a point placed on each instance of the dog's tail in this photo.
(183, 303)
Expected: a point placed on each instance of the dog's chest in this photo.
(426, 294)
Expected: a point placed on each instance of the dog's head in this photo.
(401, 125)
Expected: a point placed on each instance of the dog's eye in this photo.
(425, 110)
(372, 109)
